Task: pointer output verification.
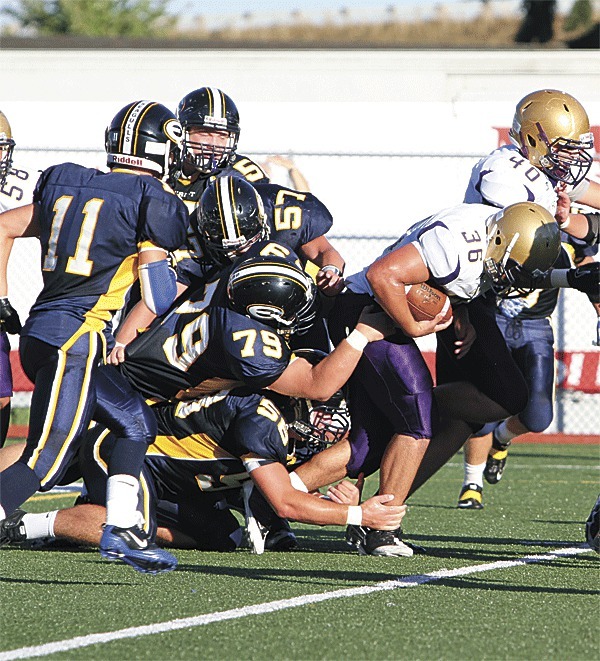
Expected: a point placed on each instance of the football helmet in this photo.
(523, 241)
(229, 219)
(552, 131)
(7, 145)
(147, 135)
(313, 425)
(208, 110)
(274, 291)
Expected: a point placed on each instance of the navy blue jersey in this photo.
(92, 224)
(201, 346)
(295, 218)
(213, 442)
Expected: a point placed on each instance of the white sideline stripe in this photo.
(273, 606)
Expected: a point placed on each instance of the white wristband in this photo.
(566, 223)
(119, 345)
(357, 340)
(354, 517)
(297, 482)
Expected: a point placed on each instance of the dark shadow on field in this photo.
(483, 584)
(310, 576)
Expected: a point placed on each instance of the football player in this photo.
(16, 189)
(198, 469)
(463, 251)
(549, 156)
(232, 216)
(98, 232)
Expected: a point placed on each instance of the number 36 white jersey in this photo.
(505, 177)
(452, 243)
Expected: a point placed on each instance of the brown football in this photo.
(425, 301)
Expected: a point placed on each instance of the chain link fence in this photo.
(374, 198)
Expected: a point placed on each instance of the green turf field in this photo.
(492, 585)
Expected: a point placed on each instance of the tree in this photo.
(94, 18)
(580, 15)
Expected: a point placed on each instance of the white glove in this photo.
(511, 307)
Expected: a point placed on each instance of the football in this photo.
(425, 302)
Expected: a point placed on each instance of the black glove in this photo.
(9, 317)
(586, 278)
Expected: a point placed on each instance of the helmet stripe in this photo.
(217, 105)
(227, 208)
(259, 270)
(129, 127)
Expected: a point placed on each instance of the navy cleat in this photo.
(12, 530)
(132, 546)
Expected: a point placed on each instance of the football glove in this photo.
(511, 307)
(586, 278)
(9, 317)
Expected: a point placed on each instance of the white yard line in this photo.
(274, 606)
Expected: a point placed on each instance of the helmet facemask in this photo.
(202, 155)
(7, 145)
(567, 160)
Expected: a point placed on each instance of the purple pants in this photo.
(390, 392)
(6, 382)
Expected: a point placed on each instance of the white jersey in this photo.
(18, 189)
(452, 243)
(505, 177)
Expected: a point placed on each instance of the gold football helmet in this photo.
(7, 144)
(523, 242)
(552, 131)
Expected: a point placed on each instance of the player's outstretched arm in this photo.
(274, 482)
(322, 381)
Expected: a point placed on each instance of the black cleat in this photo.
(12, 530)
(496, 461)
(471, 497)
(384, 543)
(592, 527)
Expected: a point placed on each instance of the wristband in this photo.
(566, 223)
(357, 340)
(297, 482)
(332, 268)
(354, 517)
(119, 345)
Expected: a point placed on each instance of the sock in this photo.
(2, 513)
(502, 434)
(40, 526)
(474, 474)
(122, 501)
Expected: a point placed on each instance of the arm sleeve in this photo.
(158, 285)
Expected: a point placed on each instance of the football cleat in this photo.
(496, 461)
(592, 527)
(280, 537)
(384, 543)
(132, 546)
(12, 529)
(471, 497)
(355, 535)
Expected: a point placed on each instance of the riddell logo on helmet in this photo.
(127, 160)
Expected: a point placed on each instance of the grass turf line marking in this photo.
(273, 606)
